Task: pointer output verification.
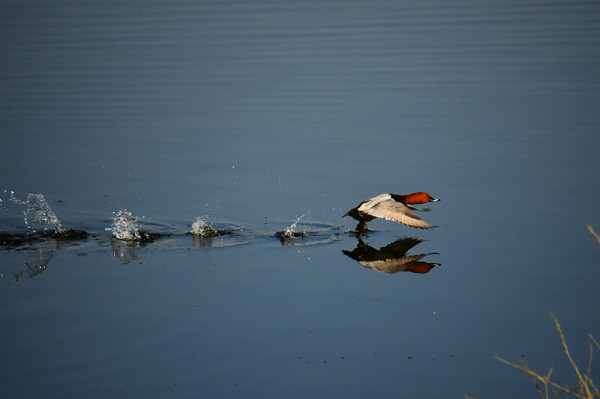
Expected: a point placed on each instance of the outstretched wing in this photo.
(398, 212)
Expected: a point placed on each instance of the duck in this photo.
(395, 207)
(392, 258)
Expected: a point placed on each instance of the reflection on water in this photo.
(203, 241)
(125, 251)
(215, 234)
(206, 234)
(39, 245)
(252, 110)
(34, 229)
(310, 233)
(37, 260)
(39, 249)
(392, 258)
(36, 252)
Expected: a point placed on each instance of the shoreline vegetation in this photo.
(586, 388)
(593, 233)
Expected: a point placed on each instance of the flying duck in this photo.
(396, 207)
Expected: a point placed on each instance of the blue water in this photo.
(253, 114)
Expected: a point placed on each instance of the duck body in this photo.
(389, 206)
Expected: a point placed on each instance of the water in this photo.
(392, 258)
(38, 215)
(251, 114)
(290, 231)
(202, 227)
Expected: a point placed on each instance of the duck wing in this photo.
(391, 266)
(398, 212)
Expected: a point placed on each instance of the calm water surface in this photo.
(255, 114)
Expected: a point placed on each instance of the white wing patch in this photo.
(396, 211)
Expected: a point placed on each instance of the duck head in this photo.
(420, 198)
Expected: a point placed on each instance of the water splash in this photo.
(202, 227)
(38, 214)
(290, 231)
(125, 226)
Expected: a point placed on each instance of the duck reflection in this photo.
(392, 258)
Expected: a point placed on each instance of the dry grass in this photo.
(592, 232)
(586, 388)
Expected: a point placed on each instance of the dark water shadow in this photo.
(125, 251)
(15, 240)
(35, 250)
(36, 260)
(38, 248)
(307, 233)
(392, 258)
(219, 234)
